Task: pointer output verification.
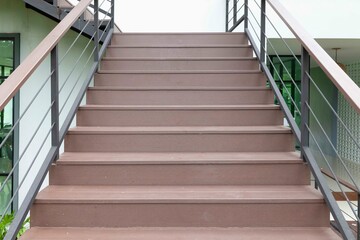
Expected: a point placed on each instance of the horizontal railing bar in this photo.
(75, 40)
(26, 109)
(76, 104)
(287, 46)
(327, 193)
(76, 63)
(327, 163)
(326, 135)
(237, 23)
(240, 8)
(251, 39)
(77, 80)
(283, 84)
(284, 66)
(30, 196)
(334, 111)
(283, 105)
(16, 163)
(343, 182)
(253, 15)
(341, 80)
(106, 43)
(16, 192)
(22, 73)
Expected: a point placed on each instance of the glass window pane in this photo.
(5, 195)
(6, 123)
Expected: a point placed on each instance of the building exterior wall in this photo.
(349, 149)
(33, 27)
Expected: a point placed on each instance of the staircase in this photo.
(57, 11)
(180, 139)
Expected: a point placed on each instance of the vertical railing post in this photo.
(227, 16)
(234, 12)
(305, 89)
(358, 213)
(246, 10)
(55, 98)
(262, 29)
(96, 29)
(16, 144)
(112, 14)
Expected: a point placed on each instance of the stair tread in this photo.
(183, 46)
(269, 233)
(117, 88)
(181, 129)
(178, 58)
(176, 158)
(180, 71)
(177, 33)
(180, 107)
(180, 194)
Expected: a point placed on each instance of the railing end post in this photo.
(55, 98)
(305, 98)
(246, 13)
(263, 29)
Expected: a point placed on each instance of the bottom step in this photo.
(180, 234)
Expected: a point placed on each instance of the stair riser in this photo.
(179, 52)
(180, 174)
(177, 39)
(168, 65)
(180, 80)
(178, 97)
(180, 215)
(186, 142)
(91, 117)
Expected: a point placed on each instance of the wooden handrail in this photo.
(22, 73)
(340, 79)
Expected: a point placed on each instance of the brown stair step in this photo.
(179, 206)
(180, 51)
(179, 95)
(179, 169)
(180, 78)
(176, 158)
(156, 39)
(179, 115)
(320, 233)
(180, 139)
(115, 63)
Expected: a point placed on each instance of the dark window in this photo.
(9, 59)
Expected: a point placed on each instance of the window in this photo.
(9, 59)
(288, 69)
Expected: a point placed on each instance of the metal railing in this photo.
(324, 133)
(71, 61)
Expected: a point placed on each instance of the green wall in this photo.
(33, 27)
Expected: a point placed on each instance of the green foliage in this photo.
(5, 224)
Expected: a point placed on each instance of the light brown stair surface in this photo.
(37, 233)
(160, 39)
(179, 96)
(182, 51)
(179, 206)
(178, 115)
(180, 139)
(189, 169)
(179, 78)
(159, 64)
